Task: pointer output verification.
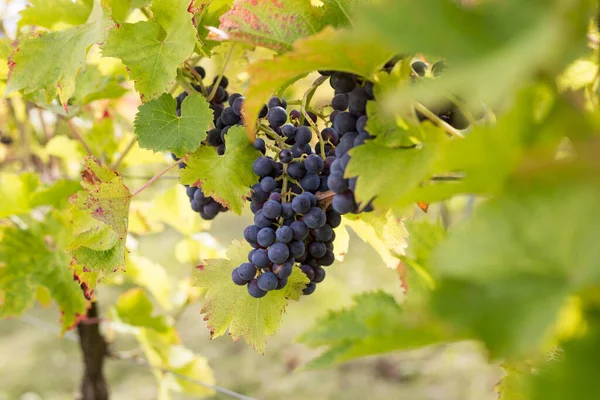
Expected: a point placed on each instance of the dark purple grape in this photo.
(288, 130)
(315, 218)
(235, 277)
(260, 258)
(278, 253)
(211, 210)
(213, 137)
(260, 145)
(277, 102)
(344, 122)
(275, 197)
(310, 182)
(266, 237)
(419, 67)
(286, 156)
(283, 271)
(301, 204)
(263, 111)
(277, 116)
(342, 82)
(344, 203)
(267, 281)
(261, 220)
(308, 290)
(255, 291)
(303, 135)
(314, 163)
(323, 234)
(282, 283)
(272, 209)
(357, 101)
(297, 249)
(237, 105)
(268, 184)
(247, 271)
(233, 98)
(330, 134)
(327, 259)
(319, 275)
(308, 271)
(286, 210)
(229, 117)
(334, 219)
(340, 102)
(337, 183)
(284, 234)
(262, 166)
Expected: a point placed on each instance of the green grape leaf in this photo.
(101, 138)
(120, 9)
(340, 13)
(230, 306)
(339, 50)
(374, 324)
(208, 15)
(514, 384)
(50, 60)
(152, 50)
(48, 14)
(56, 195)
(384, 232)
(30, 259)
(272, 24)
(98, 250)
(226, 178)
(505, 273)
(406, 169)
(158, 127)
(93, 85)
(135, 308)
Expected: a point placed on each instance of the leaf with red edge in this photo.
(225, 178)
(330, 49)
(275, 24)
(230, 306)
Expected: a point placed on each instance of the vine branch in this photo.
(155, 177)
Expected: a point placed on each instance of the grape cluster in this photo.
(205, 205)
(291, 229)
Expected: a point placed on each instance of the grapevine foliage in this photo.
(474, 124)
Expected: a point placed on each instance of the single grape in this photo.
(260, 258)
(311, 197)
(337, 183)
(286, 156)
(246, 271)
(277, 116)
(266, 237)
(275, 196)
(301, 204)
(336, 167)
(235, 277)
(213, 137)
(315, 218)
(334, 219)
(369, 89)
(438, 68)
(190, 190)
(272, 209)
(323, 234)
(298, 151)
(278, 253)
(250, 254)
(267, 281)
(233, 98)
(262, 166)
(288, 130)
(255, 291)
(268, 184)
(284, 234)
(283, 271)
(419, 67)
(344, 203)
(258, 194)
(310, 182)
(308, 271)
(342, 82)
(296, 170)
(330, 134)
(229, 116)
(323, 187)
(221, 149)
(277, 102)
(344, 122)
(340, 102)
(314, 163)
(297, 249)
(200, 71)
(282, 283)
(211, 210)
(260, 220)
(303, 135)
(263, 111)
(309, 289)
(260, 145)
(319, 275)
(196, 206)
(327, 259)
(199, 197)
(357, 101)
(295, 114)
(237, 105)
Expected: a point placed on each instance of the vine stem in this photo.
(220, 77)
(305, 101)
(80, 138)
(437, 120)
(122, 156)
(271, 133)
(155, 177)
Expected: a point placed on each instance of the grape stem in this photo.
(220, 77)
(161, 173)
(119, 160)
(273, 135)
(183, 83)
(305, 102)
(198, 78)
(437, 120)
(78, 136)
